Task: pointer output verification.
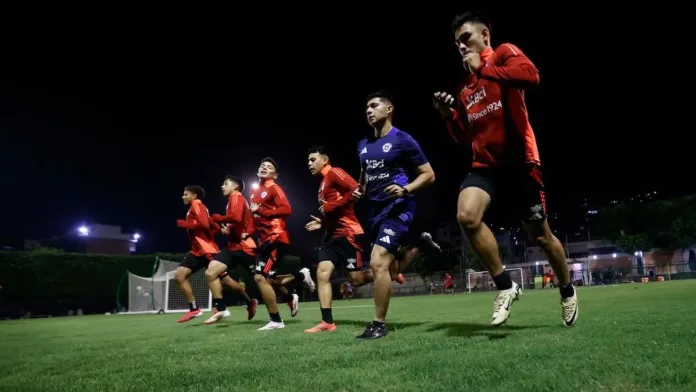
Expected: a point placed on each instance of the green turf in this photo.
(628, 338)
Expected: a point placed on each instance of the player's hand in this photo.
(395, 190)
(254, 206)
(245, 236)
(225, 229)
(321, 209)
(357, 195)
(314, 224)
(443, 103)
(472, 61)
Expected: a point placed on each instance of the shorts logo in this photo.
(386, 147)
(364, 151)
(536, 212)
(351, 263)
(385, 239)
(389, 232)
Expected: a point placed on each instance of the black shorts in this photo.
(521, 188)
(347, 250)
(194, 263)
(233, 258)
(268, 257)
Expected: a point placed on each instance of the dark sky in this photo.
(106, 114)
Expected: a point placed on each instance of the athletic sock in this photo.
(326, 315)
(193, 306)
(503, 281)
(275, 317)
(288, 297)
(247, 301)
(220, 304)
(567, 291)
(299, 277)
(378, 323)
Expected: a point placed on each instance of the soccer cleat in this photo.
(217, 316)
(502, 303)
(190, 315)
(569, 307)
(251, 309)
(308, 279)
(272, 325)
(373, 331)
(322, 327)
(428, 240)
(400, 279)
(294, 305)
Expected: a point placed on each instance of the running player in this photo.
(201, 234)
(491, 114)
(385, 157)
(342, 243)
(238, 225)
(270, 207)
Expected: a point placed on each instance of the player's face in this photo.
(228, 187)
(316, 162)
(378, 111)
(187, 197)
(267, 170)
(471, 37)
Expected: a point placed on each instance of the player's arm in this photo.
(233, 214)
(282, 209)
(200, 219)
(345, 185)
(515, 67)
(425, 175)
(452, 116)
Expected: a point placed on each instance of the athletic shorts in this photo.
(233, 258)
(391, 225)
(268, 257)
(522, 189)
(342, 250)
(194, 263)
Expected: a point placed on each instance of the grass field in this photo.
(628, 338)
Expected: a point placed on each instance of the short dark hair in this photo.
(236, 180)
(383, 95)
(319, 149)
(272, 162)
(195, 189)
(470, 17)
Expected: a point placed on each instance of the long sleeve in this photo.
(234, 213)
(516, 67)
(199, 219)
(345, 185)
(282, 205)
(457, 128)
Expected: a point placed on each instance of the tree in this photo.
(473, 261)
(664, 226)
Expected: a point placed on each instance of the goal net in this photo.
(175, 301)
(482, 281)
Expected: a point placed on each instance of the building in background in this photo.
(96, 238)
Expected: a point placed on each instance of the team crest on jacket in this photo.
(263, 195)
(386, 147)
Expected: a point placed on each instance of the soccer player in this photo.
(342, 243)
(270, 207)
(491, 114)
(238, 225)
(201, 234)
(385, 157)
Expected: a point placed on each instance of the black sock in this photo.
(567, 291)
(378, 323)
(288, 297)
(275, 317)
(193, 306)
(220, 304)
(247, 301)
(326, 315)
(503, 281)
(299, 277)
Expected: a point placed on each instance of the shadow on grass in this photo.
(468, 330)
(390, 326)
(233, 323)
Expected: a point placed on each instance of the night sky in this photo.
(106, 115)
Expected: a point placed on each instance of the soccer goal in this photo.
(175, 301)
(482, 281)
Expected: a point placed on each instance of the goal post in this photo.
(174, 299)
(481, 280)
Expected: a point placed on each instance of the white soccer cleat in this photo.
(294, 305)
(272, 325)
(217, 317)
(569, 307)
(428, 239)
(502, 303)
(308, 279)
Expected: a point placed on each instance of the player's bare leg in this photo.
(408, 256)
(269, 298)
(380, 262)
(212, 273)
(251, 304)
(542, 235)
(471, 206)
(324, 271)
(181, 276)
(293, 300)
